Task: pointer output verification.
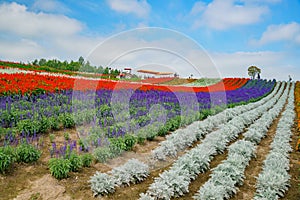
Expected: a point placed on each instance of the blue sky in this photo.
(234, 33)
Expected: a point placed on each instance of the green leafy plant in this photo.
(52, 137)
(27, 153)
(129, 141)
(67, 120)
(117, 146)
(102, 154)
(28, 126)
(7, 158)
(66, 136)
(76, 162)
(87, 159)
(59, 168)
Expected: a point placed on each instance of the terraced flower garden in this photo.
(71, 137)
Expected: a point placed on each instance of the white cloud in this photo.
(224, 14)
(198, 7)
(139, 8)
(34, 35)
(281, 32)
(49, 6)
(16, 19)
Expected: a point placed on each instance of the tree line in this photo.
(79, 65)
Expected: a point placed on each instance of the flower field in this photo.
(126, 140)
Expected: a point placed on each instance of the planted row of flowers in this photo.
(182, 138)
(103, 184)
(132, 172)
(66, 109)
(175, 181)
(49, 82)
(228, 175)
(274, 179)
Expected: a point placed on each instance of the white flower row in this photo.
(230, 173)
(175, 181)
(273, 181)
(183, 138)
(133, 171)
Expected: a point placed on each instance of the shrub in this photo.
(28, 126)
(117, 146)
(129, 141)
(133, 171)
(102, 183)
(67, 120)
(102, 154)
(87, 159)
(76, 162)
(27, 153)
(59, 168)
(7, 158)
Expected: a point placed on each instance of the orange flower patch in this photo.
(297, 102)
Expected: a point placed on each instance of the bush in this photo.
(87, 159)
(102, 183)
(117, 146)
(59, 168)
(54, 123)
(7, 158)
(67, 120)
(129, 141)
(76, 162)
(102, 154)
(27, 153)
(28, 126)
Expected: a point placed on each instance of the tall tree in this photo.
(253, 71)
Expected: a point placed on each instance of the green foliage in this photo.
(67, 120)
(67, 136)
(52, 137)
(28, 126)
(253, 70)
(105, 110)
(83, 143)
(129, 141)
(102, 154)
(54, 123)
(141, 139)
(87, 159)
(45, 125)
(59, 168)
(117, 146)
(27, 153)
(7, 158)
(76, 162)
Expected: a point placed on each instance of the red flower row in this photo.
(26, 83)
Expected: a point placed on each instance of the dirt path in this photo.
(203, 177)
(247, 190)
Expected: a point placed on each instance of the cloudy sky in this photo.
(233, 34)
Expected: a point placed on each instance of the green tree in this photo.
(42, 62)
(253, 71)
(81, 60)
